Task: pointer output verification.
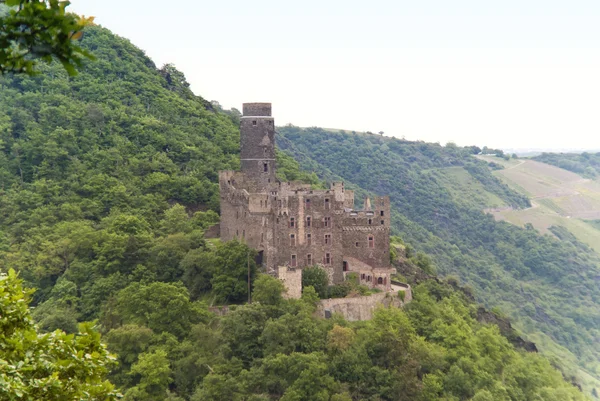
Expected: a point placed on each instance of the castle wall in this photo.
(358, 308)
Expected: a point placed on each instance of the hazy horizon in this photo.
(512, 75)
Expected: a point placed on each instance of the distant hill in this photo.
(547, 284)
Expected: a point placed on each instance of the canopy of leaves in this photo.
(53, 366)
(33, 30)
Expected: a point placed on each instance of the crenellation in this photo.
(294, 226)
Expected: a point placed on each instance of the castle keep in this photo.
(293, 226)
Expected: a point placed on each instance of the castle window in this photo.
(362, 276)
(381, 213)
(309, 260)
(307, 203)
(307, 221)
(382, 222)
(327, 259)
(369, 278)
(294, 262)
(356, 244)
(370, 221)
(292, 222)
(379, 280)
(327, 239)
(265, 167)
(344, 266)
(326, 221)
(308, 239)
(326, 203)
(292, 240)
(371, 242)
(253, 122)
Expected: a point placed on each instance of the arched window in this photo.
(371, 242)
(379, 280)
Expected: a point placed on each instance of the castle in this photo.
(293, 226)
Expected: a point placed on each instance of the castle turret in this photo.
(258, 143)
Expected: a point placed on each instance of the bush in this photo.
(317, 278)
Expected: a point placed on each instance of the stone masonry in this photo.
(293, 226)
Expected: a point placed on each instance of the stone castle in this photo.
(293, 226)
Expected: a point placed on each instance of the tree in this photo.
(235, 261)
(40, 30)
(268, 290)
(53, 366)
(317, 278)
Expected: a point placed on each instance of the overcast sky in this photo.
(503, 73)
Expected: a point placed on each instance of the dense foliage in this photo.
(33, 30)
(586, 164)
(108, 183)
(549, 286)
(53, 366)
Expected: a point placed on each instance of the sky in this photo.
(509, 74)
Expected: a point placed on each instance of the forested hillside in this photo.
(546, 284)
(108, 181)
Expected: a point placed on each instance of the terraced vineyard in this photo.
(559, 198)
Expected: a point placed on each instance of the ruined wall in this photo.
(292, 280)
(358, 308)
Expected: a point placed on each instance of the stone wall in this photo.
(292, 280)
(360, 308)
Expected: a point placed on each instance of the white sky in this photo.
(503, 73)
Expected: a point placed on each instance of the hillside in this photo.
(546, 284)
(559, 198)
(107, 185)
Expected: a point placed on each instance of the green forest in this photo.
(108, 181)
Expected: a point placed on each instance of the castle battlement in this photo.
(293, 225)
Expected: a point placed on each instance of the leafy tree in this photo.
(268, 290)
(53, 366)
(235, 262)
(34, 29)
(317, 278)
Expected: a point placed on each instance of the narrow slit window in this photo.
(370, 221)
(307, 221)
(381, 213)
(309, 261)
(265, 167)
(294, 262)
(326, 203)
(292, 222)
(371, 242)
(307, 203)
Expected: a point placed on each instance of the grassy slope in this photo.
(559, 198)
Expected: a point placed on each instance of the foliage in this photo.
(315, 277)
(35, 30)
(53, 366)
